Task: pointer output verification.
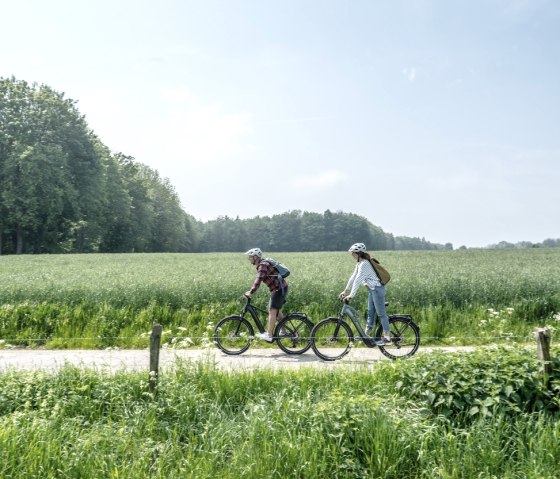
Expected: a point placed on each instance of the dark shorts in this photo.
(277, 299)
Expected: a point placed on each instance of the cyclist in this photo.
(365, 274)
(276, 284)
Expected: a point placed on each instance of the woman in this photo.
(365, 274)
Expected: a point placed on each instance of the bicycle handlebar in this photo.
(246, 298)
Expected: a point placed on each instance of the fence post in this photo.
(155, 340)
(543, 349)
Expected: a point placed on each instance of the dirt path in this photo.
(138, 359)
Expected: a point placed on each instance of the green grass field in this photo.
(457, 297)
(486, 414)
(433, 416)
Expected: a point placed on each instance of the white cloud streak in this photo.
(322, 181)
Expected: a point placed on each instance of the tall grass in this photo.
(309, 423)
(462, 296)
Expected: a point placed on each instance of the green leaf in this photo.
(473, 410)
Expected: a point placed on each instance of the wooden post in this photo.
(155, 340)
(543, 349)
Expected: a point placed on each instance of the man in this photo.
(276, 284)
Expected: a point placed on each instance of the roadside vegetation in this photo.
(483, 414)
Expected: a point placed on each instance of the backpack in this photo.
(380, 271)
(282, 269)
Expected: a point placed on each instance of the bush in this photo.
(471, 385)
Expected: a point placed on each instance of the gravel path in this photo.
(139, 359)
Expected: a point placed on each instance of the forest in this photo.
(63, 191)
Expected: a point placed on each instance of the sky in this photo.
(431, 118)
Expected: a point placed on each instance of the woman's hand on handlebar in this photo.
(345, 299)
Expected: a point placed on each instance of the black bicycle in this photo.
(234, 334)
(332, 338)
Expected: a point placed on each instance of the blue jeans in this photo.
(376, 304)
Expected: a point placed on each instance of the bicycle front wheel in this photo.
(405, 338)
(293, 333)
(233, 335)
(331, 339)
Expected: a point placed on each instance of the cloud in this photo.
(179, 94)
(179, 130)
(409, 73)
(522, 7)
(298, 120)
(207, 135)
(321, 181)
(200, 133)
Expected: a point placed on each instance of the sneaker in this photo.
(368, 331)
(383, 341)
(264, 337)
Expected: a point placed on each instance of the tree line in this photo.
(547, 243)
(63, 191)
(302, 231)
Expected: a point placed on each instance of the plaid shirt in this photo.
(267, 274)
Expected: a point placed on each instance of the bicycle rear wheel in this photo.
(297, 337)
(331, 339)
(233, 335)
(405, 337)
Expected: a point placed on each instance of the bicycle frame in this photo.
(252, 310)
(351, 313)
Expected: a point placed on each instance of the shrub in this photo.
(470, 385)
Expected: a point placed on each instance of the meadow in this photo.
(96, 301)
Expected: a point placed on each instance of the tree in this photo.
(48, 168)
(61, 189)
(285, 231)
(312, 226)
(118, 221)
(168, 228)
(36, 209)
(551, 243)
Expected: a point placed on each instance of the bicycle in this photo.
(332, 338)
(234, 334)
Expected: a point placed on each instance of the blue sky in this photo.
(431, 118)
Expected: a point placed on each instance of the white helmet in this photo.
(254, 252)
(357, 248)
